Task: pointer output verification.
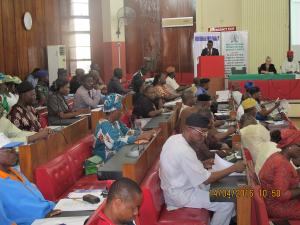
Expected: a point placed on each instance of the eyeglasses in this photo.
(203, 133)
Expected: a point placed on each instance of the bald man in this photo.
(122, 205)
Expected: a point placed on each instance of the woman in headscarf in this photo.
(256, 138)
(279, 177)
(285, 137)
(11, 83)
(111, 134)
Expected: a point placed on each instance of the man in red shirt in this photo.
(122, 205)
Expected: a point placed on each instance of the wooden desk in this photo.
(96, 115)
(122, 165)
(42, 151)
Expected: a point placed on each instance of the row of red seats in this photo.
(64, 174)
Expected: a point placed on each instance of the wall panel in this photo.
(2, 65)
(21, 50)
(21, 37)
(9, 37)
(147, 40)
(268, 25)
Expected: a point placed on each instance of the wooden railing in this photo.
(42, 151)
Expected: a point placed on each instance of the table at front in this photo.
(284, 86)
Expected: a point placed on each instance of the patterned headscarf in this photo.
(112, 102)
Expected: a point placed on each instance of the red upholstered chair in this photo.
(43, 119)
(65, 173)
(153, 210)
(55, 177)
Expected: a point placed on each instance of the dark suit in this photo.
(264, 68)
(205, 52)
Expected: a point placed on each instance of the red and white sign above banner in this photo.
(221, 29)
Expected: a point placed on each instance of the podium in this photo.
(212, 67)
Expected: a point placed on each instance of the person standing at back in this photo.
(210, 51)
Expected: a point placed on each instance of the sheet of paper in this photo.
(221, 164)
(4, 140)
(84, 114)
(79, 220)
(283, 107)
(173, 103)
(81, 193)
(66, 204)
(223, 96)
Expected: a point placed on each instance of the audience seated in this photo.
(267, 67)
(184, 180)
(114, 85)
(236, 94)
(290, 65)
(147, 105)
(122, 205)
(98, 82)
(20, 201)
(247, 120)
(138, 87)
(248, 107)
(96, 67)
(22, 114)
(203, 86)
(203, 102)
(279, 175)
(15, 134)
(161, 89)
(248, 85)
(257, 139)
(139, 75)
(188, 99)
(11, 84)
(86, 96)
(171, 82)
(42, 87)
(212, 141)
(59, 112)
(285, 137)
(62, 74)
(33, 77)
(76, 80)
(262, 112)
(110, 133)
(7, 99)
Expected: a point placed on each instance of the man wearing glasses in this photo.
(184, 179)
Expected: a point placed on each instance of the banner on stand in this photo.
(235, 51)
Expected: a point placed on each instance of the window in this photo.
(79, 38)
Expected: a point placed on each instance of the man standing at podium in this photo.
(210, 51)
